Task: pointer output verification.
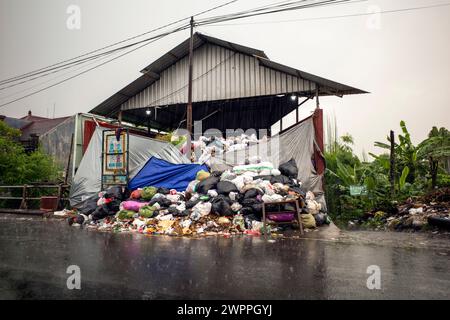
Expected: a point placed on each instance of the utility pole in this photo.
(189, 104)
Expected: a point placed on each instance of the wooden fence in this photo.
(60, 192)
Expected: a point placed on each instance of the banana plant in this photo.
(434, 150)
(405, 152)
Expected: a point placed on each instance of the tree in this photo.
(18, 167)
(435, 149)
(405, 153)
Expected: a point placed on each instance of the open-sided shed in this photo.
(234, 86)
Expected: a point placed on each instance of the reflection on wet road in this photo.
(35, 254)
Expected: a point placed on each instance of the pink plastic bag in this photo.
(281, 217)
(133, 205)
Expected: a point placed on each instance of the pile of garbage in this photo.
(217, 203)
(430, 212)
(206, 147)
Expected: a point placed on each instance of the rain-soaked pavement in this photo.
(35, 254)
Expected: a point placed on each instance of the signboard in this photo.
(357, 190)
(114, 157)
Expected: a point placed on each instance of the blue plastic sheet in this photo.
(160, 173)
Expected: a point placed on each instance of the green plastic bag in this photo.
(148, 193)
(147, 211)
(125, 214)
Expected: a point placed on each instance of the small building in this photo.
(33, 128)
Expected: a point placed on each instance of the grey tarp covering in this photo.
(87, 180)
(297, 142)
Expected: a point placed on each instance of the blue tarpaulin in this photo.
(160, 173)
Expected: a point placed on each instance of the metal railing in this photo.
(26, 196)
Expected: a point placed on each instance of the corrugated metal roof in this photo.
(40, 127)
(167, 77)
(182, 50)
(16, 123)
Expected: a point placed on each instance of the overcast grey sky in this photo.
(404, 60)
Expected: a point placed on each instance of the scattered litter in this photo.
(223, 203)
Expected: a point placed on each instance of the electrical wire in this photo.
(153, 39)
(294, 5)
(264, 10)
(62, 67)
(146, 42)
(58, 76)
(333, 17)
(44, 69)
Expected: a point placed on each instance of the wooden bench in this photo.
(296, 212)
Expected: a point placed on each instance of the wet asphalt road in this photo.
(34, 256)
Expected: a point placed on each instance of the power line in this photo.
(268, 9)
(90, 69)
(60, 68)
(37, 71)
(295, 5)
(62, 65)
(57, 77)
(332, 17)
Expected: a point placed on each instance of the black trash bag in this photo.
(268, 177)
(239, 197)
(207, 184)
(106, 210)
(221, 205)
(216, 174)
(184, 213)
(225, 187)
(173, 211)
(320, 218)
(222, 197)
(116, 192)
(245, 211)
(257, 208)
(89, 205)
(248, 202)
(162, 201)
(293, 183)
(163, 190)
(279, 179)
(191, 203)
(78, 219)
(289, 169)
(298, 190)
(254, 204)
(253, 193)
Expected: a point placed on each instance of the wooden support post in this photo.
(299, 218)
(60, 195)
(23, 204)
(68, 160)
(318, 131)
(189, 104)
(392, 163)
(317, 97)
(119, 117)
